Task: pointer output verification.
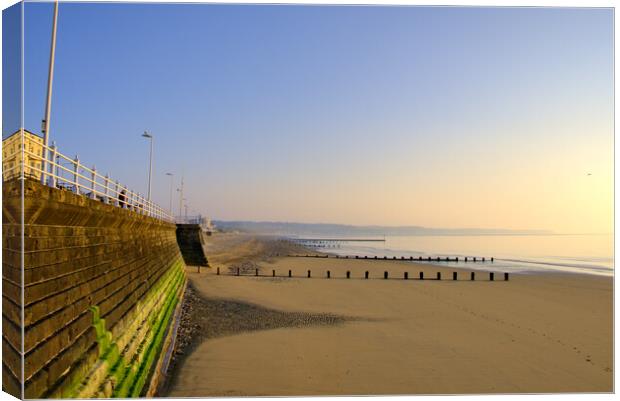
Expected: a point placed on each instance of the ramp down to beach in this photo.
(191, 242)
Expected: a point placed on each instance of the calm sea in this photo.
(591, 254)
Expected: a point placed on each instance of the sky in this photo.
(433, 116)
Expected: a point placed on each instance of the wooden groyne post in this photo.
(473, 276)
(385, 275)
(406, 275)
(348, 274)
(290, 273)
(421, 275)
(505, 276)
(328, 274)
(454, 276)
(218, 271)
(308, 273)
(438, 275)
(366, 275)
(491, 276)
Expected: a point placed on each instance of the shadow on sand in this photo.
(204, 318)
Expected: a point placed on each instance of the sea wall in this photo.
(11, 290)
(101, 289)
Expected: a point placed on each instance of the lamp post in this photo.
(180, 190)
(150, 137)
(171, 178)
(48, 104)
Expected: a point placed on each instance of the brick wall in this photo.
(101, 285)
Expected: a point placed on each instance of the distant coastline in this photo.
(293, 228)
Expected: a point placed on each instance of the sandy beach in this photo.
(260, 336)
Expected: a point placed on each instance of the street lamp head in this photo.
(147, 135)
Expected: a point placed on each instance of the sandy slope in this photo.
(534, 333)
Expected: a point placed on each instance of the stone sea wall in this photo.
(101, 288)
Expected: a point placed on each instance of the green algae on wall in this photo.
(123, 370)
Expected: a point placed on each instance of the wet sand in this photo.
(533, 334)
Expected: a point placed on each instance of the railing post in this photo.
(107, 192)
(44, 156)
(76, 167)
(116, 195)
(56, 164)
(53, 165)
(93, 177)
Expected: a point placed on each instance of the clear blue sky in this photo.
(370, 115)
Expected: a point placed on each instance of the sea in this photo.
(521, 253)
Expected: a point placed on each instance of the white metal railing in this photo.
(197, 219)
(202, 221)
(71, 174)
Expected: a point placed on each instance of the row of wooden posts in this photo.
(419, 258)
(472, 275)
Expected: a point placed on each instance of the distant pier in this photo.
(330, 242)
